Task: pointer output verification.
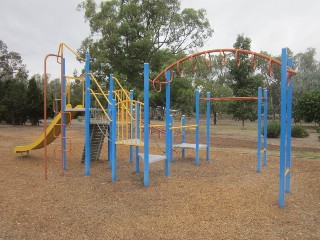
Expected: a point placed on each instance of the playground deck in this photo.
(220, 199)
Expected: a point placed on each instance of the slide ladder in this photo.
(98, 132)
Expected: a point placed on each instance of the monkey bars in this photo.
(178, 67)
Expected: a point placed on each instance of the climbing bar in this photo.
(253, 62)
(222, 58)
(159, 125)
(237, 58)
(75, 78)
(187, 126)
(125, 104)
(208, 63)
(287, 171)
(270, 68)
(68, 92)
(123, 90)
(58, 149)
(101, 94)
(98, 101)
(100, 89)
(160, 130)
(180, 70)
(61, 48)
(194, 63)
(122, 100)
(120, 95)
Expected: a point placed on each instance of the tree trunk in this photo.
(13, 120)
(273, 108)
(214, 118)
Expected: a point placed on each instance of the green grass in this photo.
(311, 155)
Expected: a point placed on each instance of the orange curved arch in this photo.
(221, 52)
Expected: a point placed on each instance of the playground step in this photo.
(97, 135)
(189, 145)
(153, 158)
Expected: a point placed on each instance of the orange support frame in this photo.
(193, 61)
(45, 79)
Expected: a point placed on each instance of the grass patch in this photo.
(310, 155)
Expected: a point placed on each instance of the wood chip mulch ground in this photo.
(224, 198)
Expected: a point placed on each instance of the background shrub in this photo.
(273, 130)
(299, 132)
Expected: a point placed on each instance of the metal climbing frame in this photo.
(63, 97)
(265, 122)
(167, 75)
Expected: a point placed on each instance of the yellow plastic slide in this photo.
(53, 130)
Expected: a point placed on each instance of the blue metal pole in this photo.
(208, 128)
(146, 124)
(183, 138)
(109, 129)
(87, 118)
(113, 140)
(111, 85)
(288, 144)
(111, 88)
(171, 138)
(131, 126)
(283, 127)
(259, 131)
(168, 146)
(198, 125)
(265, 124)
(138, 136)
(113, 97)
(63, 114)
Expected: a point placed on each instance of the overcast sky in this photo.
(34, 28)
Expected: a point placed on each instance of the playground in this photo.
(224, 198)
(117, 175)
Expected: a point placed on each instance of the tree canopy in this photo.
(125, 34)
(13, 84)
(244, 82)
(305, 85)
(309, 106)
(11, 64)
(34, 104)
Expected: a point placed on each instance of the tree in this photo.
(13, 81)
(53, 96)
(307, 79)
(246, 110)
(309, 106)
(14, 101)
(34, 102)
(182, 95)
(126, 34)
(272, 81)
(244, 83)
(218, 89)
(213, 79)
(10, 63)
